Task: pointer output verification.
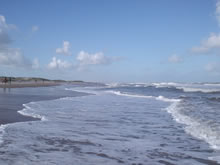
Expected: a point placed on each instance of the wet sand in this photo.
(28, 84)
(12, 100)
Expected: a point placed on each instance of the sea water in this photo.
(136, 123)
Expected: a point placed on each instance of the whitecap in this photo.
(194, 127)
(204, 90)
(161, 98)
(128, 95)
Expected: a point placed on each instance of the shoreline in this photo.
(12, 100)
(28, 84)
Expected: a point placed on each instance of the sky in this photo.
(111, 40)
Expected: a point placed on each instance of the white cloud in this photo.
(208, 45)
(10, 56)
(175, 59)
(213, 67)
(65, 49)
(35, 64)
(92, 59)
(59, 64)
(35, 28)
(3, 23)
(13, 57)
(85, 59)
(217, 11)
(4, 37)
(210, 67)
(213, 41)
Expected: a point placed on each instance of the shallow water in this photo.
(119, 124)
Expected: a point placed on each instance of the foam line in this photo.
(2, 131)
(194, 127)
(161, 98)
(28, 111)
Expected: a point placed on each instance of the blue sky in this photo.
(111, 41)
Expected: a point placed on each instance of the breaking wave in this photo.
(203, 90)
(161, 98)
(194, 127)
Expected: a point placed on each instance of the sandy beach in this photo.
(27, 84)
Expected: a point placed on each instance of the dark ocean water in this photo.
(139, 123)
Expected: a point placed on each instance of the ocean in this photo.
(127, 123)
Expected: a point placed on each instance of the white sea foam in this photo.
(165, 84)
(115, 85)
(210, 84)
(194, 127)
(161, 98)
(214, 158)
(2, 131)
(204, 90)
(84, 90)
(186, 87)
(140, 84)
(66, 98)
(75, 121)
(28, 111)
(111, 85)
(129, 95)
